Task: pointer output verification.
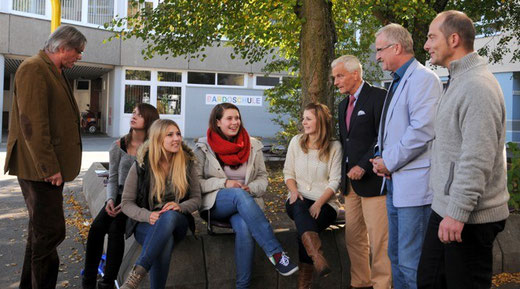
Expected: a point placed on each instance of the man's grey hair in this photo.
(350, 63)
(65, 37)
(396, 33)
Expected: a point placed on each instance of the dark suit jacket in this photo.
(358, 143)
(44, 136)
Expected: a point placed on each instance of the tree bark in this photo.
(317, 40)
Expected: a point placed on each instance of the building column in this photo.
(2, 70)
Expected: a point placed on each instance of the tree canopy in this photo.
(304, 36)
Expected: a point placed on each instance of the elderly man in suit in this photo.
(404, 141)
(366, 223)
(44, 149)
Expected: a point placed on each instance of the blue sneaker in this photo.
(284, 266)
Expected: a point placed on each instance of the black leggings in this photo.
(299, 212)
(115, 228)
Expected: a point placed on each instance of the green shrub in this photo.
(513, 175)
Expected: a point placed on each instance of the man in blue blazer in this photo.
(366, 223)
(405, 136)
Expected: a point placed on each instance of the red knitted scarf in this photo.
(230, 153)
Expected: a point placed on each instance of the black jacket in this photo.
(358, 143)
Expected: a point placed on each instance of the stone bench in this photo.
(208, 261)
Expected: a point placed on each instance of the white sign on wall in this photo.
(234, 99)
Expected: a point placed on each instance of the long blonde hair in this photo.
(323, 130)
(177, 163)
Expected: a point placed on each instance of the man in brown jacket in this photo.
(44, 149)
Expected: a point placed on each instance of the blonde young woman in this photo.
(312, 173)
(160, 193)
(232, 175)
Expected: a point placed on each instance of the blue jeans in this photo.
(406, 230)
(248, 222)
(157, 241)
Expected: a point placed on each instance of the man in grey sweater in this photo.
(468, 176)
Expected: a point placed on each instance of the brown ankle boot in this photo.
(134, 278)
(305, 276)
(312, 243)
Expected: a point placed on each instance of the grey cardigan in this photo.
(120, 163)
(212, 177)
(468, 175)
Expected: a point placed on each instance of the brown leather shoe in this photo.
(305, 275)
(312, 243)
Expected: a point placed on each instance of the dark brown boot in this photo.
(305, 276)
(312, 243)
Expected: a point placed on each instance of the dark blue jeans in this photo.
(406, 230)
(299, 212)
(157, 241)
(248, 222)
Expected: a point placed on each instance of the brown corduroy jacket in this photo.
(44, 131)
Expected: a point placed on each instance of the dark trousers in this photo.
(466, 265)
(115, 228)
(299, 212)
(46, 231)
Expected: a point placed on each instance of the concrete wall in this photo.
(256, 119)
(4, 33)
(15, 38)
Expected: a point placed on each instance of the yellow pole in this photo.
(56, 15)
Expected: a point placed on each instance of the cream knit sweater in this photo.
(313, 176)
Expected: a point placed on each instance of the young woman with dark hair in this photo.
(110, 221)
(233, 178)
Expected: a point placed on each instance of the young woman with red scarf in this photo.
(233, 178)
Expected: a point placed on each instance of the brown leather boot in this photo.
(305, 275)
(312, 243)
(134, 278)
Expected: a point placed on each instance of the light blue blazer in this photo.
(408, 135)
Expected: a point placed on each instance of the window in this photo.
(201, 78)
(138, 75)
(135, 94)
(267, 80)
(7, 82)
(30, 6)
(82, 85)
(134, 6)
(169, 100)
(100, 11)
(230, 79)
(164, 76)
(71, 10)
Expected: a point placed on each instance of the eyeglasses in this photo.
(383, 48)
(79, 51)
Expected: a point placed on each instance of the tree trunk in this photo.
(317, 40)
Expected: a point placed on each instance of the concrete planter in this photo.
(208, 261)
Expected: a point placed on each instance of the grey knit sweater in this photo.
(120, 163)
(468, 174)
